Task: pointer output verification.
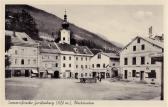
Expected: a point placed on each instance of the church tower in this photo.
(65, 32)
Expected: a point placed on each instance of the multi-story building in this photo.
(23, 55)
(136, 62)
(73, 59)
(105, 64)
(49, 59)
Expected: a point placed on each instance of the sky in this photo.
(119, 23)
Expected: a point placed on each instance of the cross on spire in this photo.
(65, 11)
(65, 16)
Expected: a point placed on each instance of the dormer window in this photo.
(76, 50)
(49, 45)
(85, 51)
(25, 39)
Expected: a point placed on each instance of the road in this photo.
(71, 89)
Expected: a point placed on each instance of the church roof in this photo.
(84, 50)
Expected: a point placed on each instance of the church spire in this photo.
(65, 24)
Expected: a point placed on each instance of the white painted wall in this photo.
(65, 34)
(147, 67)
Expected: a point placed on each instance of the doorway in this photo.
(27, 74)
(76, 75)
(94, 74)
(126, 74)
(142, 75)
(56, 74)
(102, 74)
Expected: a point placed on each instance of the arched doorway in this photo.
(56, 74)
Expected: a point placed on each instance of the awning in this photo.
(34, 71)
(50, 71)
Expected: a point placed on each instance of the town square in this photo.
(50, 58)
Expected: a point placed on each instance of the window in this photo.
(143, 47)
(92, 65)
(125, 61)
(98, 65)
(56, 64)
(22, 61)
(113, 64)
(69, 58)
(56, 57)
(76, 50)
(85, 74)
(99, 56)
(76, 66)
(152, 61)
(48, 57)
(15, 61)
(28, 61)
(104, 65)
(138, 40)
(63, 38)
(16, 52)
(69, 65)
(81, 58)
(81, 74)
(76, 58)
(86, 58)
(25, 39)
(64, 65)
(64, 58)
(133, 73)
(152, 74)
(34, 61)
(134, 61)
(134, 48)
(81, 66)
(142, 60)
(85, 66)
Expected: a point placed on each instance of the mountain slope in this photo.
(49, 23)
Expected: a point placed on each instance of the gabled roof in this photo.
(47, 47)
(20, 38)
(149, 40)
(110, 55)
(95, 51)
(75, 49)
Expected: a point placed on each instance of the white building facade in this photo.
(23, 55)
(105, 65)
(136, 62)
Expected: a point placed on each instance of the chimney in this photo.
(150, 32)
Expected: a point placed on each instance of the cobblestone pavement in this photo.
(71, 89)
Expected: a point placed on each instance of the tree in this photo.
(22, 22)
(7, 47)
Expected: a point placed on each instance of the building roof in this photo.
(95, 51)
(149, 40)
(47, 47)
(20, 38)
(75, 49)
(110, 55)
(46, 36)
